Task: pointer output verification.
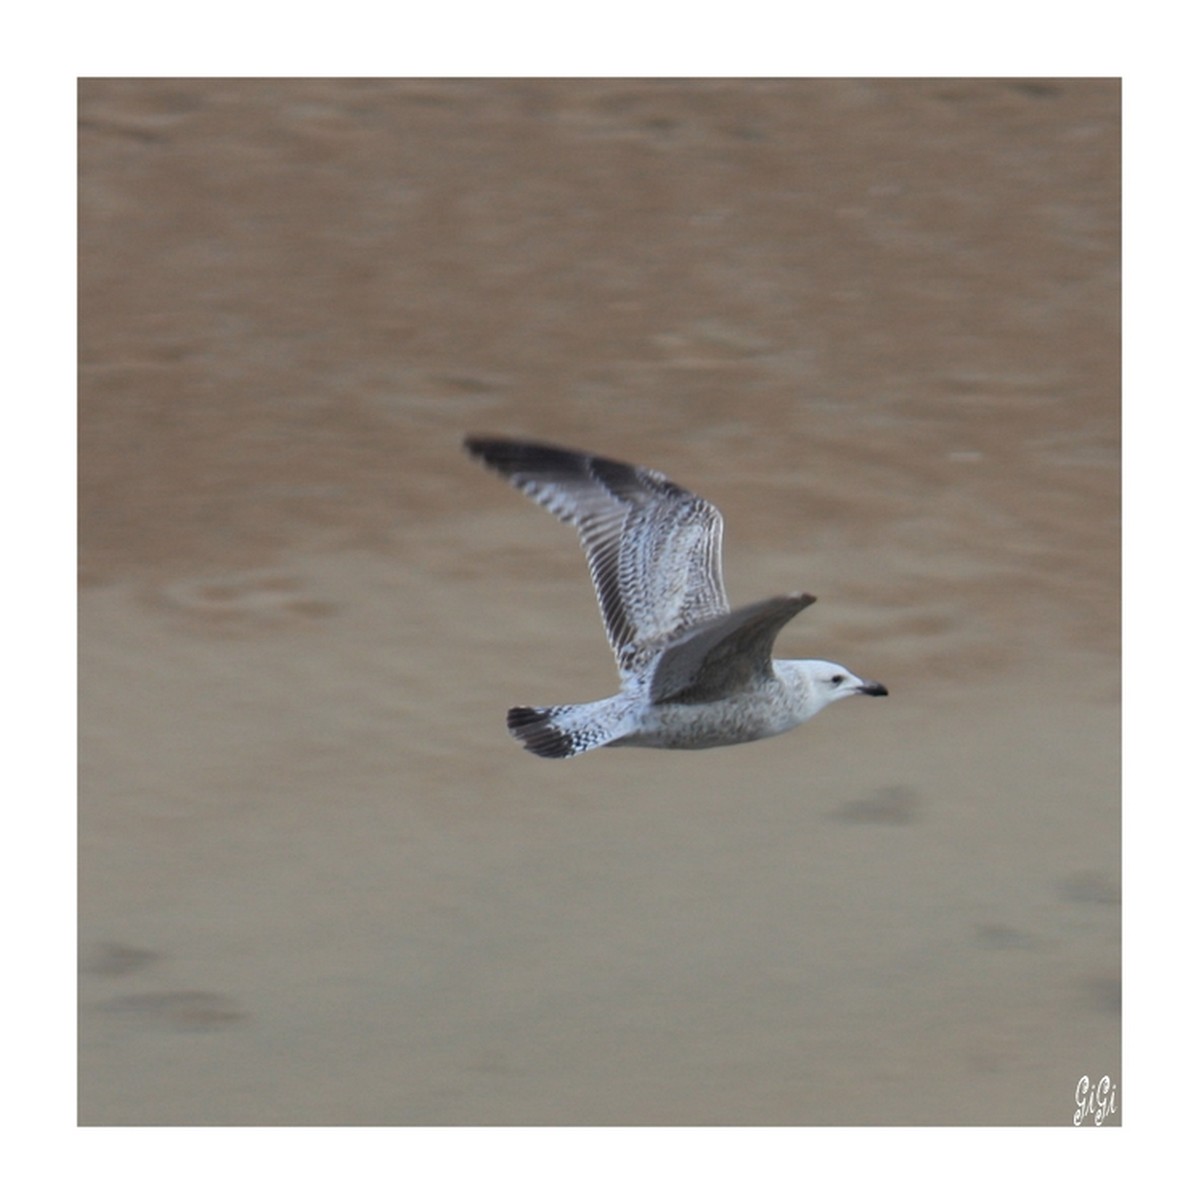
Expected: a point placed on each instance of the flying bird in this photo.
(693, 673)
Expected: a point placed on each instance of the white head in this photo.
(826, 682)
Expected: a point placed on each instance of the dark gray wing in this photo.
(726, 654)
(653, 548)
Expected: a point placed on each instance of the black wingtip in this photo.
(484, 446)
(503, 455)
(507, 456)
(479, 445)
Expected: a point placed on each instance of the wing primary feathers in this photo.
(653, 548)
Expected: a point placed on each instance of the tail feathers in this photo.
(560, 731)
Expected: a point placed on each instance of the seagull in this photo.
(693, 673)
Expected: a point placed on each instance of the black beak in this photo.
(875, 689)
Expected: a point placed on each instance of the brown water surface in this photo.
(875, 322)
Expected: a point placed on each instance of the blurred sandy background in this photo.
(877, 323)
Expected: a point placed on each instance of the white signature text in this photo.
(1098, 1100)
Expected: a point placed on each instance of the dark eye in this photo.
(838, 678)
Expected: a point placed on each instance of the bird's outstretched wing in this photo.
(653, 548)
(726, 654)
